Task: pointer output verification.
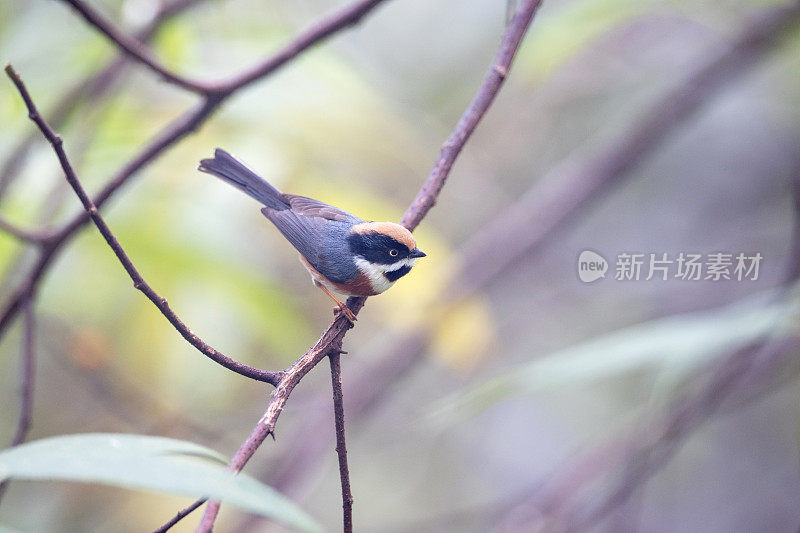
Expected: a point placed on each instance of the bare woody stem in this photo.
(135, 49)
(341, 446)
(427, 195)
(138, 281)
(180, 515)
(348, 16)
(329, 343)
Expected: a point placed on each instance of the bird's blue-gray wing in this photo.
(319, 232)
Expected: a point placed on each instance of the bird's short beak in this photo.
(416, 252)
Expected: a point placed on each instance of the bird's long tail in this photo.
(230, 169)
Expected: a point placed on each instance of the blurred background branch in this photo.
(33, 237)
(637, 456)
(135, 49)
(27, 373)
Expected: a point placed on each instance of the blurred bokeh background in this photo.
(520, 407)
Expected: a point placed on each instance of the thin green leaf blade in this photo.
(148, 463)
(678, 343)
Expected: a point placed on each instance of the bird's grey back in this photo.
(322, 241)
(317, 230)
(337, 262)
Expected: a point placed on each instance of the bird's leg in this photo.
(342, 307)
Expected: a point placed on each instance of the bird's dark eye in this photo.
(393, 252)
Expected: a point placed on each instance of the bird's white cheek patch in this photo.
(374, 273)
(377, 273)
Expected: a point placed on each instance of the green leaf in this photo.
(148, 463)
(675, 344)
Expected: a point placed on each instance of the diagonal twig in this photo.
(348, 16)
(28, 362)
(135, 49)
(138, 281)
(180, 515)
(339, 20)
(428, 194)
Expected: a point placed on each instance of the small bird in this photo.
(342, 252)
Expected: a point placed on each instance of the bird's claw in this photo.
(347, 313)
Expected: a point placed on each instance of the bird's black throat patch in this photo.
(394, 275)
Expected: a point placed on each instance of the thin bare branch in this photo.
(180, 516)
(135, 49)
(426, 197)
(26, 375)
(330, 25)
(329, 343)
(326, 27)
(138, 281)
(341, 445)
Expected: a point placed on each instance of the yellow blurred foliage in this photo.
(464, 335)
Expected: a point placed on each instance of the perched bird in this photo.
(342, 252)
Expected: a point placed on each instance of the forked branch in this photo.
(138, 281)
